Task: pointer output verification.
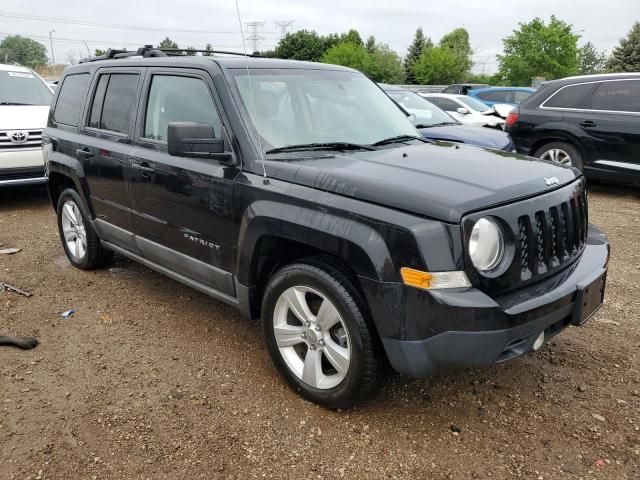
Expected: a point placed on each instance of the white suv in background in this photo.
(24, 106)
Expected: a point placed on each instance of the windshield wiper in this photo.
(436, 124)
(14, 103)
(398, 138)
(321, 146)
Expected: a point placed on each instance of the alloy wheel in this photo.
(312, 337)
(73, 229)
(556, 155)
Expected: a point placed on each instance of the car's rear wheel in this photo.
(562, 153)
(319, 335)
(80, 241)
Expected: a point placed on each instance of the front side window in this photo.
(617, 96)
(474, 104)
(302, 106)
(178, 99)
(572, 96)
(71, 98)
(23, 88)
(445, 104)
(425, 112)
(113, 102)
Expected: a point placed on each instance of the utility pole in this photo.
(283, 25)
(53, 57)
(255, 38)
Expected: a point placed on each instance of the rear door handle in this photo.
(143, 167)
(588, 123)
(84, 153)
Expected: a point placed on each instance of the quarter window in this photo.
(178, 99)
(618, 96)
(70, 99)
(573, 96)
(113, 102)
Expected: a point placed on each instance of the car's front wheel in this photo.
(319, 335)
(80, 241)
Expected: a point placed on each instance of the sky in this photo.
(126, 23)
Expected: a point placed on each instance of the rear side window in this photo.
(71, 98)
(520, 96)
(451, 89)
(495, 96)
(572, 96)
(444, 103)
(619, 96)
(113, 102)
(178, 99)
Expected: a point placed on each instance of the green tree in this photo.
(419, 44)
(370, 45)
(626, 56)
(457, 42)
(385, 65)
(168, 43)
(349, 55)
(24, 51)
(302, 45)
(539, 50)
(99, 52)
(352, 36)
(436, 66)
(591, 60)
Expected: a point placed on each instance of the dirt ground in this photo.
(152, 380)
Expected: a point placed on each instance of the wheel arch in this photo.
(65, 172)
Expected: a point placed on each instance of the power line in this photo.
(40, 18)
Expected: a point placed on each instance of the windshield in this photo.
(23, 88)
(297, 107)
(473, 103)
(425, 112)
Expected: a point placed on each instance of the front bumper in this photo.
(426, 332)
(21, 167)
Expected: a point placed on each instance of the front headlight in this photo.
(486, 245)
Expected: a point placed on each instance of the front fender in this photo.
(356, 243)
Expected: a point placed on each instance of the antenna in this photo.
(253, 100)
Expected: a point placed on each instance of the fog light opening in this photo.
(539, 342)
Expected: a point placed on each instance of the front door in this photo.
(181, 206)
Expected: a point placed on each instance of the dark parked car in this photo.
(436, 124)
(463, 88)
(301, 194)
(591, 122)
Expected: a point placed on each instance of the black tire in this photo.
(95, 255)
(366, 362)
(569, 149)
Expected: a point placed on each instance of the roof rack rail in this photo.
(149, 51)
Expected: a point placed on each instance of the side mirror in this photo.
(462, 111)
(196, 140)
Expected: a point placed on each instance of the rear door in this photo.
(108, 133)
(181, 206)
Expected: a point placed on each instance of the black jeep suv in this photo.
(591, 122)
(301, 194)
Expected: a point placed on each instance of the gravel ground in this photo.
(150, 379)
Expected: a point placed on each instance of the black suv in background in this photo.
(591, 122)
(301, 194)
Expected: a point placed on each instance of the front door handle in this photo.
(588, 123)
(84, 153)
(144, 167)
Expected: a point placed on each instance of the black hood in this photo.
(479, 136)
(440, 180)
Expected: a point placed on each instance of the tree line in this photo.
(535, 49)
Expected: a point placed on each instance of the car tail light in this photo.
(512, 118)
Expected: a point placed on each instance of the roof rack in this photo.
(148, 51)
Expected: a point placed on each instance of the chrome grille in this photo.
(34, 140)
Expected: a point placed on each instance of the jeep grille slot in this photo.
(33, 139)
